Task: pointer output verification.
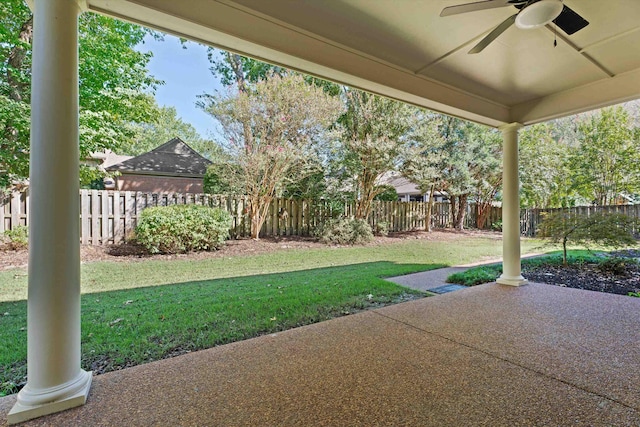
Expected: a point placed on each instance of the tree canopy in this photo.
(168, 125)
(115, 89)
(270, 130)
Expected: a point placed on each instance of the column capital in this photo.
(82, 5)
(510, 127)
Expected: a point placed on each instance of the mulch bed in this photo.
(589, 276)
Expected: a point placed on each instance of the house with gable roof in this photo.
(173, 167)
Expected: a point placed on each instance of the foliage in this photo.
(472, 168)
(236, 70)
(91, 177)
(423, 158)
(165, 127)
(544, 169)
(233, 69)
(345, 231)
(476, 276)
(607, 163)
(605, 229)
(374, 133)
(616, 265)
(634, 294)
(114, 86)
(457, 157)
(381, 228)
(386, 193)
(311, 187)
(216, 180)
(182, 228)
(271, 129)
(17, 238)
(583, 159)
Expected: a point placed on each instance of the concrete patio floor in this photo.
(490, 355)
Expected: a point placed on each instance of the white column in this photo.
(54, 379)
(510, 208)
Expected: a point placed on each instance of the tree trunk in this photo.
(482, 213)
(256, 219)
(427, 223)
(454, 211)
(462, 212)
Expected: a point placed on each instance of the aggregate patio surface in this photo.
(489, 355)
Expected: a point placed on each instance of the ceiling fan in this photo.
(531, 14)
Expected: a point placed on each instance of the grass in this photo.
(137, 312)
(489, 273)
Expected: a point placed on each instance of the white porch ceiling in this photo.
(405, 50)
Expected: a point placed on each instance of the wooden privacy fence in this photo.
(108, 217)
(530, 218)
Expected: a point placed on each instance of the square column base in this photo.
(512, 281)
(20, 412)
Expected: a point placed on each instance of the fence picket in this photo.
(84, 216)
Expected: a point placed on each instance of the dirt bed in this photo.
(241, 247)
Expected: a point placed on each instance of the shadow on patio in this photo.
(488, 355)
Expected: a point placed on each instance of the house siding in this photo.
(158, 184)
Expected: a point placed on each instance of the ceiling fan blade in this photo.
(569, 21)
(471, 7)
(494, 34)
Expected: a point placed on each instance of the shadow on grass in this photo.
(128, 327)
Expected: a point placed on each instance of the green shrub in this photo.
(17, 239)
(381, 228)
(476, 276)
(345, 231)
(634, 294)
(617, 266)
(182, 228)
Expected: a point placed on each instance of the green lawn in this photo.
(137, 312)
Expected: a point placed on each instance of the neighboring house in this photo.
(173, 167)
(408, 191)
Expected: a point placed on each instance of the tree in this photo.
(544, 168)
(375, 130)
(167, 126)
(607, 163)
(270, 130)
(423, 158)
(606, 229)
(471, 167)
(115, 87)
(16, 34)
(486, 169)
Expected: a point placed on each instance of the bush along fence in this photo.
(108, 217)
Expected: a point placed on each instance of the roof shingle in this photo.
(174, 158)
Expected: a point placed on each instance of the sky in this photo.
(186, 74)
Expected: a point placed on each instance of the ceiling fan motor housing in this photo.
(538, 14)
